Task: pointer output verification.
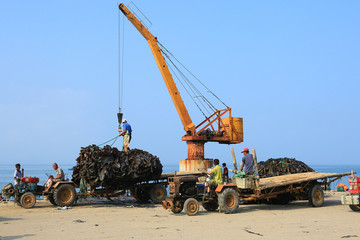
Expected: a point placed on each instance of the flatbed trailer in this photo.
(154, 189)
(297, 183)
(227, 197)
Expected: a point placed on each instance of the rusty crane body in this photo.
(223, 127)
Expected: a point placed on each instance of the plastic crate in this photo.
(245, 183)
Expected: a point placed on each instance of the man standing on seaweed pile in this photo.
(126, 132)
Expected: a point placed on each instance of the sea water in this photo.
(43, 171)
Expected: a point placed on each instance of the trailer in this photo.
(154, 190)
(187, 192)
(63, 193)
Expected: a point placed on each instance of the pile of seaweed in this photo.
(281, 166)
(110, 168)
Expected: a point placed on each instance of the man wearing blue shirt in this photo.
(126, 132)
(247, 162)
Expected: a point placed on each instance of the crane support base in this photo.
(194, 166)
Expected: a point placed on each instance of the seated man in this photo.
(216, 174)
(59, 176)
(49, 181)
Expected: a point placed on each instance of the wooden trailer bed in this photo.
(297, 178)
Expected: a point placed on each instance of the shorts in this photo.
(212, 184)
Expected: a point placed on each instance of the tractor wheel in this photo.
(51, 200)
(355, 208)
(228, 201)
(158, 193)
(316, 196)
(142, 195)
(210, 206)
(178, 207)
(191, 206)
(27, 200)
(64, 195)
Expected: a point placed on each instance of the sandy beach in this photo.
(128, 220)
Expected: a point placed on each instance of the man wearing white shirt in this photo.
(17, 174)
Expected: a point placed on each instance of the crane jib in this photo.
(217, 127)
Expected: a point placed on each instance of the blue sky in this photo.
(289, 68)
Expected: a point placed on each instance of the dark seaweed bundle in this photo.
(281, 166)
(113, 169)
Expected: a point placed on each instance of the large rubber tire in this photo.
(142, 195)
(178, 207)
(210, 206)
(228, 201)
(64, 195)
(158, 193)
(316, 196)
(191, 206)
(27, 200)
(355, 208)
(51, 200)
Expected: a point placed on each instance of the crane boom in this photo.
(189, 126)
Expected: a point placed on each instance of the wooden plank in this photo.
(234, 158)
(296, 178)
(257, 181)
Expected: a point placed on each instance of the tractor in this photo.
(61, 194)
(185, 193)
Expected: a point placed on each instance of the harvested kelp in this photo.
(282, 166)
(113, 169)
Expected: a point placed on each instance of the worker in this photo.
(247, 162)
(48, 181)
(216, 174)
(225, 173)
(60, 176)
(18, 174)
(126, 132)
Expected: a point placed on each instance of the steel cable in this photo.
(193, 75)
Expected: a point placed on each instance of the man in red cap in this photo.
(248, 162)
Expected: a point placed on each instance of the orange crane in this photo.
(223, 127)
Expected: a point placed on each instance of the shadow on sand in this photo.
(244, 208)
(4, 219)
(15, 236)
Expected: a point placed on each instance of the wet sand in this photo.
(128, 220)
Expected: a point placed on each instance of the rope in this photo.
(115, 138)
